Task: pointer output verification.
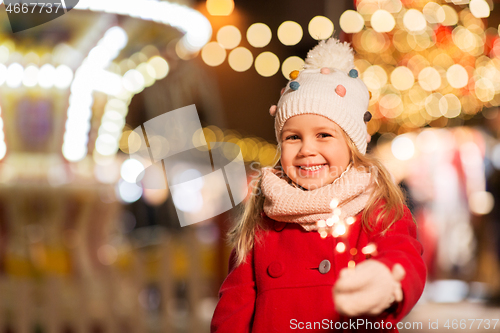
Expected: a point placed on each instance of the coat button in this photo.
(276, 269)
(278, 226)
(324, 266)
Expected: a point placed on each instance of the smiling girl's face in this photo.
(314, 151)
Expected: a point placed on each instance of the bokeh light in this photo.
(402, 78)
(229, 37)
(220, 7)
(457, 76)
(414, 20)
(290, 33)
(479, 8)
(320, 27)
(351, 21)
(213, 54)
(259, 35)
(267, 64)
(382, 21)
(402, 148)
(240, 59)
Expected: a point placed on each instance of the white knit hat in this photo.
(328, 86)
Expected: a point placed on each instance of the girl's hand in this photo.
(369, 288)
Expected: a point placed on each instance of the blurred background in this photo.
(84, 249)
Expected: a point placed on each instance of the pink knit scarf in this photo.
(287, 203)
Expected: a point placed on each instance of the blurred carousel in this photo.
(65, 91)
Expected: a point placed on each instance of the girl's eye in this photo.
(292, 137)
(324, 135)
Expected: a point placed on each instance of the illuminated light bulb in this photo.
(479, 8)
(213, 54)
(220, 7)
(290, 64)
(402, 148)
(340, 247)
(350, 220)
(240, 59)
(334, 203)
(321, 223)
(14, 75)
(323, 234)
(160, 67)
(30, 76)
(46, 76)
(290, 33)
(337, 212)
(429, 79)
(64, 76)
(267, 64)
(148, 73)
(382, 21)
(320, 27)
(414, 20)
(402, 78)
(259, 35)
(133, 81)
(330, 222)
(351, 21)
(229, 37)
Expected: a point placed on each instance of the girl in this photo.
(325, 242)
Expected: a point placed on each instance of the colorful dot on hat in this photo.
(294, 74)
(272, 110)
(367, 116)
(340, 90)
(282, 90)
(325, 70)
(294, 85)
(353, 73)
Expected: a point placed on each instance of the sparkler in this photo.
(338, 227)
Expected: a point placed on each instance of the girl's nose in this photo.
(307, 148)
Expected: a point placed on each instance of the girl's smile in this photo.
(314, 150)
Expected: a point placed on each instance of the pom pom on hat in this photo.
(331, 53)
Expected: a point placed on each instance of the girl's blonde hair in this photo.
(242, 235)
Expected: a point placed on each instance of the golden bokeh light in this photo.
(479, 8)
(391, 105)
(451, 16)
(290, 33)
(291, 64)
(240, 59)
(267, 64)
(373, 41)
(229, 37)
(432, 105)
(484, 89)
(213, 54)
(351, 22)
(259, 35)
(374, 77)
(382, 21)
(414, 20)
(450, 106)
(434, 13)
(320, 27)
(220, 7)
(402, 78)
(457, 76)
(429, 79)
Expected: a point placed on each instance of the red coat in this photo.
(282, 287)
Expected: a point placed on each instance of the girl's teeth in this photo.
(316, 167)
